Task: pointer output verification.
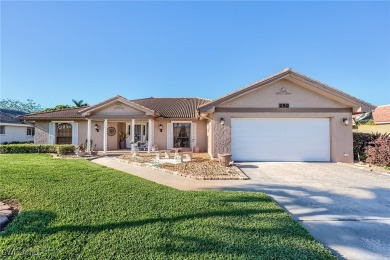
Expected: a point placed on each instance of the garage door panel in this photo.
(280, 139)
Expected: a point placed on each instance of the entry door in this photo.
(140, 133)
(280, 139)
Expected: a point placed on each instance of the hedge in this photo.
(37, 148)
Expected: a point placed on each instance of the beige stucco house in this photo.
(285, 117)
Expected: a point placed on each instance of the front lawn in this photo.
(77, 209)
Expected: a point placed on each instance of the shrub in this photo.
(65, 149)
(378, 151)
(17, 142)
(360, 142)
(36, 148)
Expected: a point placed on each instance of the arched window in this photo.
(64, 133)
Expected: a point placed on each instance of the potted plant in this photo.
(122, 140)
(81, 150)
(94, 152)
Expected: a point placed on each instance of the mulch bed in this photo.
(201, 167)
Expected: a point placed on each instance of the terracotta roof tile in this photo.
(173, 107)
(381, 114)
(166, 107)
(68, 113)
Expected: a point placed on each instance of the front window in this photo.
(181, 135)
(2, 130)
(30, 131)
(64, 133)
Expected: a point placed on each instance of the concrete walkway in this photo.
(345, 208)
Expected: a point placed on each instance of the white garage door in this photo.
(280, 139)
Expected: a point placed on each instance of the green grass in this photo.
(75, 209)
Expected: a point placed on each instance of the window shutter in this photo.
(169, 135)
(193, 135)
(75, 134)
(51, 132)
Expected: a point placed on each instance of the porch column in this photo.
(105, 135)
(150, 134)
(89, 136)
(132, 130)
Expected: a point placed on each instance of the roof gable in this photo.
(117, 105)
(300, 79)
(282, 91)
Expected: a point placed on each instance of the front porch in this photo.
(117, 136)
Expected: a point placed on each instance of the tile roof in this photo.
(68, 113)
(9, 116)
(166, 107)
(381, 114)
(173, 107)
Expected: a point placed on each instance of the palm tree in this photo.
(79, 103)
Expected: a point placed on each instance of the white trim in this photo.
(132, 130)
(193, 135)
(105, 124)
(169, 135)
(52, 132)
(150, 134)
(382, 123)
(89, 129)
(9, 124)
(75, 134)
(62, 121)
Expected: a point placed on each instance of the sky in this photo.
(53, 52)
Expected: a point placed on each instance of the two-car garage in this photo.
(280, 139)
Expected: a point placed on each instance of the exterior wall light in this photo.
(345, 121)
(160, 127)
(96, 127)
(222, 121)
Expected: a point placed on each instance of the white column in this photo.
(150, 134)
(105, 135)
(89, 136)
(132, 130)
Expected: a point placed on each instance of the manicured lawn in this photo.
(77, 209)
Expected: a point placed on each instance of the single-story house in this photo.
(284, 117)
(13, 129)
(379, 121)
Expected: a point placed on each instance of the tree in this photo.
(29, 107)
(57, 107)
(79, 103)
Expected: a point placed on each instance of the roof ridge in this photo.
(57, 110)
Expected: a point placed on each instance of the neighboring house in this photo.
(285, 117)
(12, 129)
(381, 121)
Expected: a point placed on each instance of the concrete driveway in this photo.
(345, 208)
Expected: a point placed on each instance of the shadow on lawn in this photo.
(37, 221)
(223, 241)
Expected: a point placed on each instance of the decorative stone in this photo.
(5, 213)
(2, 204)
(4, 207)
(3, 220)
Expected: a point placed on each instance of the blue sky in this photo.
(53, 52)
